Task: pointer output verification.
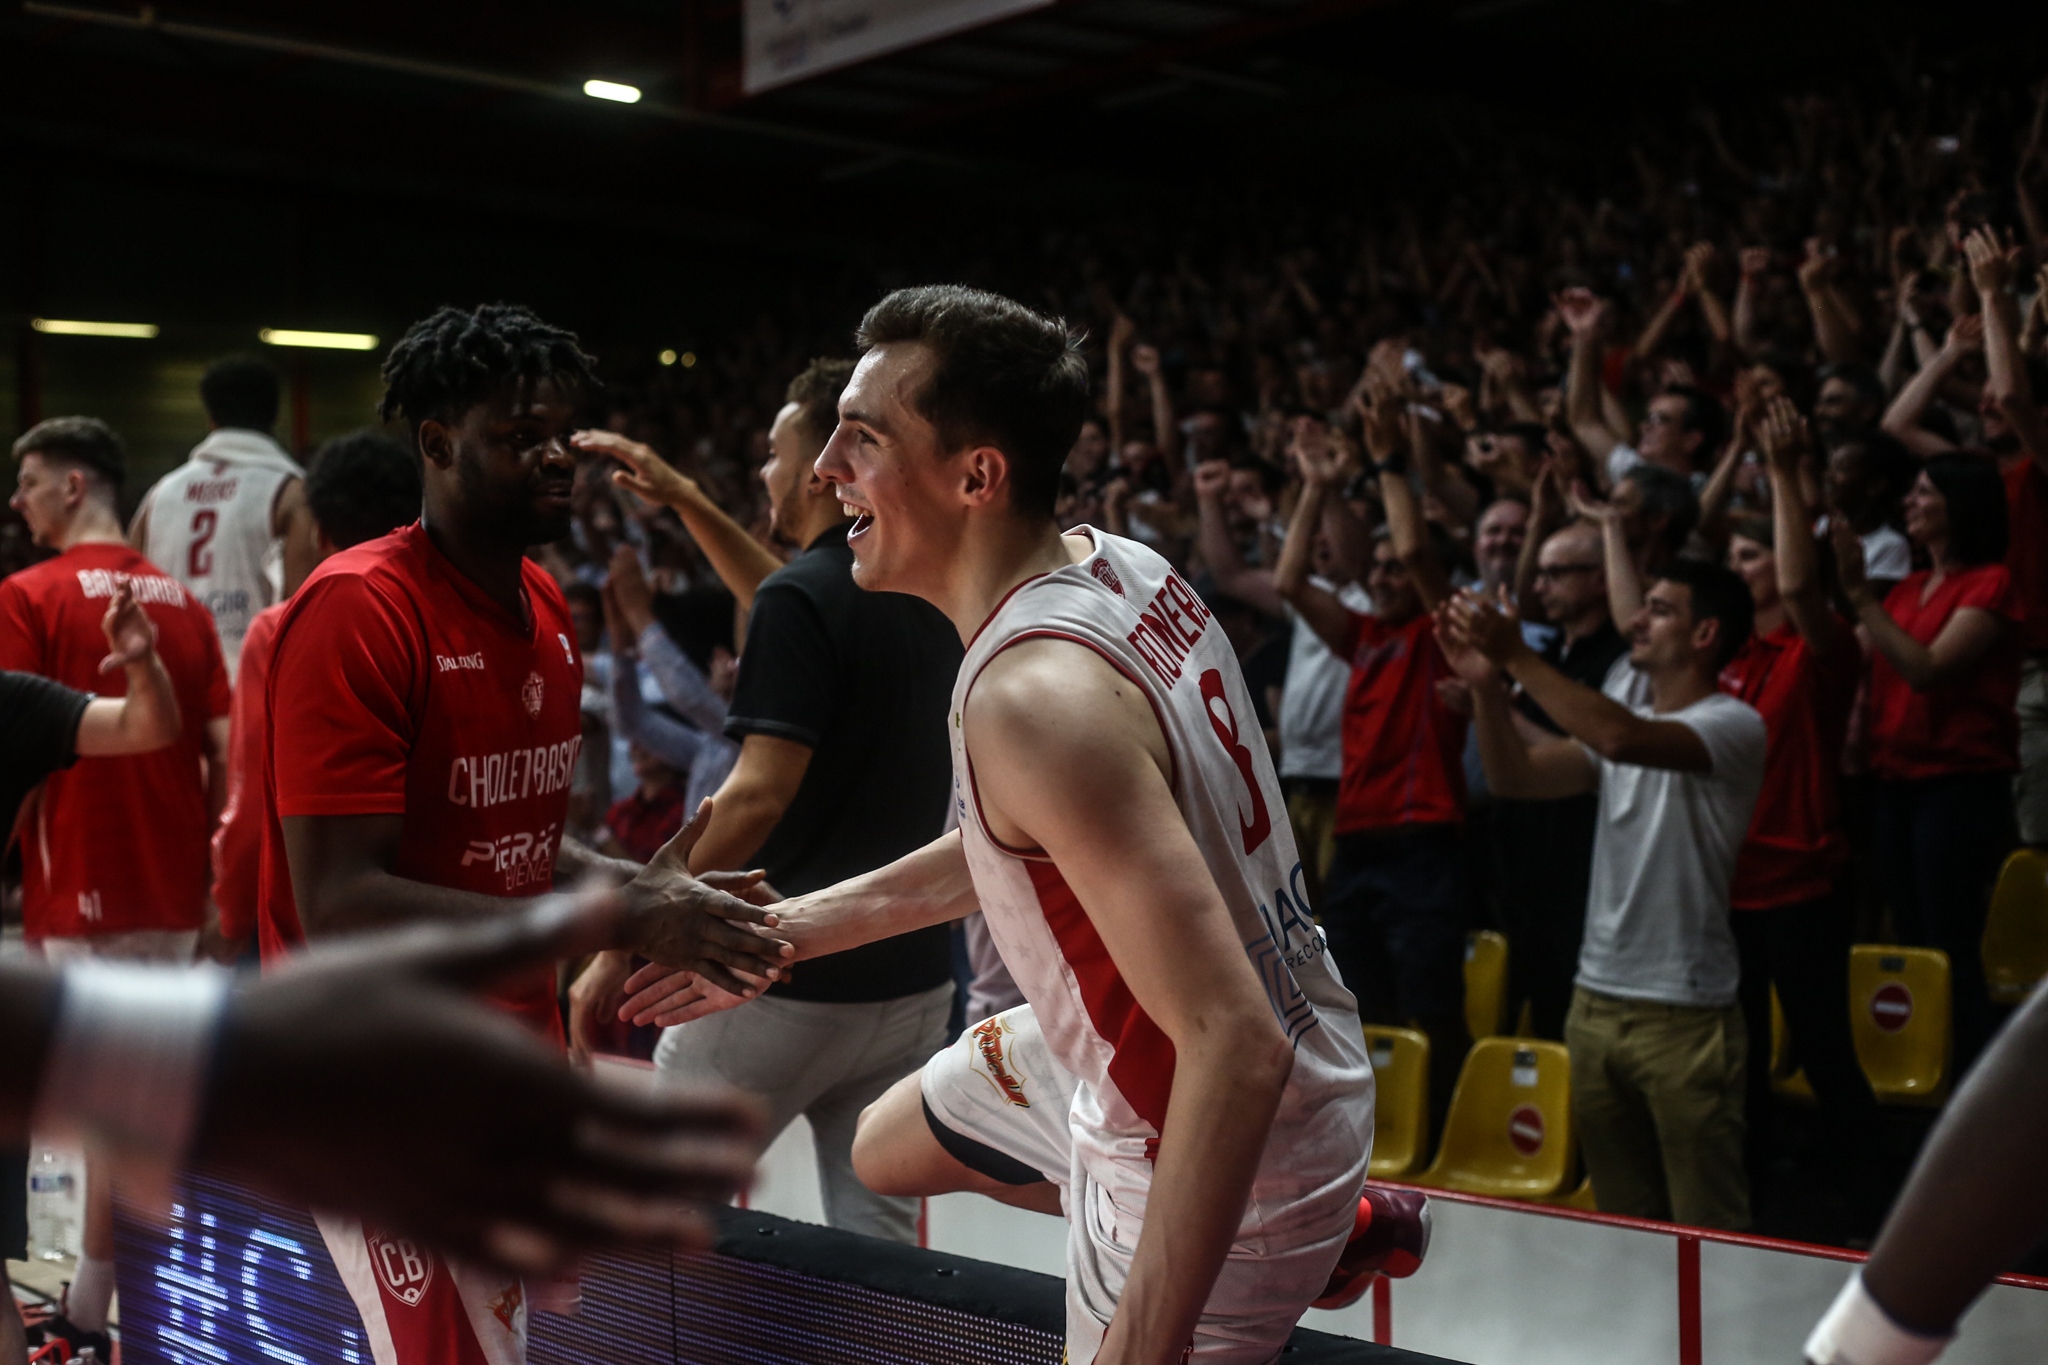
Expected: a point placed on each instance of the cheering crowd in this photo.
(1653, 572)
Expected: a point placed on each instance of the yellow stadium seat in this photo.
(1787, 1079)
(2016, 930)
(1486, 984)
(1580, 1198)
(1400, 1120)
(1899, 1016)
(1509, 1132)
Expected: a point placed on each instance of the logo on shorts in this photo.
(988, 1041)
(531, 694)
(1100, 568)
(404, 1268)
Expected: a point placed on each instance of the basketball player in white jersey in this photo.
(1188, 1082)
(231, 523)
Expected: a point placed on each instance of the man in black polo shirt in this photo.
(1544, 849)
(840, 710)
(50, 727)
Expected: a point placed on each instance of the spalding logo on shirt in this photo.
(404, 1268)
(1102, 570)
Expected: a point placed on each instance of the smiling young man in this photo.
(424, 702)
(1188, 1082)
(1656, 1038)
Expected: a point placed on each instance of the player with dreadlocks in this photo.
(424, 700)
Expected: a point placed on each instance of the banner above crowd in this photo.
(788, 40)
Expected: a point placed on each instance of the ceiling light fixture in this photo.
(667, 357)
(325, 341)
(689, 359)
(613, 91)
(140, 331)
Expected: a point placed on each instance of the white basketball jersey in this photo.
(1127, 604)
(210, 528)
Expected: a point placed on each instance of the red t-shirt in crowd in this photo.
(399, 688)
(2026, 499)
(1967, 726)
(642, 824)
(1404, 750)
(1795, 840)
(238, 843)
(115, 844)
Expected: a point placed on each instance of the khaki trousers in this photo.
(1657, 1096)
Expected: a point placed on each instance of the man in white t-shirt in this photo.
(1656, 1037)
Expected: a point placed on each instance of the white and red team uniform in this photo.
(211, 526)
(398, 687)
(1074, 1084)
(113, 850)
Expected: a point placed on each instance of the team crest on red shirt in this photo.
(531, 693)
(1100, 568)
(403, 1267)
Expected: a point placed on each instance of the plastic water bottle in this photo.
(52, 1204)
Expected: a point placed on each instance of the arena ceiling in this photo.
(355, 122)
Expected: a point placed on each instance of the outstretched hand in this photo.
(684, 921)
(645, 472)
(362, 1078)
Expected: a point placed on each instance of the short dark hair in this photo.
(816, 393)
(456, 357)
(1703, 414)
(1718, 594)
(1978, 527)
(86, 442)
(1002, 374)
(240, 391)
(362, 486)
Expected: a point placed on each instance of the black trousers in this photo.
(1543, 863)
(1940, 842)
(1804, 950)
(1394, 915)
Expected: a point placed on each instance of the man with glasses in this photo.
(1543, 850)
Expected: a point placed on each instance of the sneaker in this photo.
(1390, 1237)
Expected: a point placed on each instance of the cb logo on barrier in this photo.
(404, 1268)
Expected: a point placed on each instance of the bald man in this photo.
(1543, 850)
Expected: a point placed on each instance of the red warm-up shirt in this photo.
(399, 688)
(115, 844)
(1967, 726)
(1404, 750)
(2026, 499)
(1795, 840)
(238, 843)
